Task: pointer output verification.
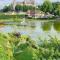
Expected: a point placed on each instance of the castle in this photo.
(24, 2)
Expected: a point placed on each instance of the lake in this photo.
(35, 29)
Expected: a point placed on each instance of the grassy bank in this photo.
(18, 18)
(10, 18)
(14, 46)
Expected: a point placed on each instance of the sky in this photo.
(7, 2)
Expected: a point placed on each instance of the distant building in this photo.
(26, 2)
(30, 13)
(14, 4)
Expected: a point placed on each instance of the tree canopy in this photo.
(47, 6)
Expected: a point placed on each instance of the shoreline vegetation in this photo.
(48, 10)
(14, 46)
(19, 18)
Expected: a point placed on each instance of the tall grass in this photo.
(14, 46)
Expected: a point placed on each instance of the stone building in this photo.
(24, 2)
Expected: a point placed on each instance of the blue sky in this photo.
(6, 2)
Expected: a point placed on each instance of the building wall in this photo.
(26, 2)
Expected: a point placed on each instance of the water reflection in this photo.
(6, 29)
(46, 26)
(57, 25)
(34, 29)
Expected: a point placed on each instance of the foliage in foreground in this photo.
(21, 47)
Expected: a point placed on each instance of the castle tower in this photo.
(32, 2)
(14, 4)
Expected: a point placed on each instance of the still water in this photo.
(35, 29)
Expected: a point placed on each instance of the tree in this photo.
(23, 8)
(18, 8)
(56, 8)
(7, 8)
(47, 6)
